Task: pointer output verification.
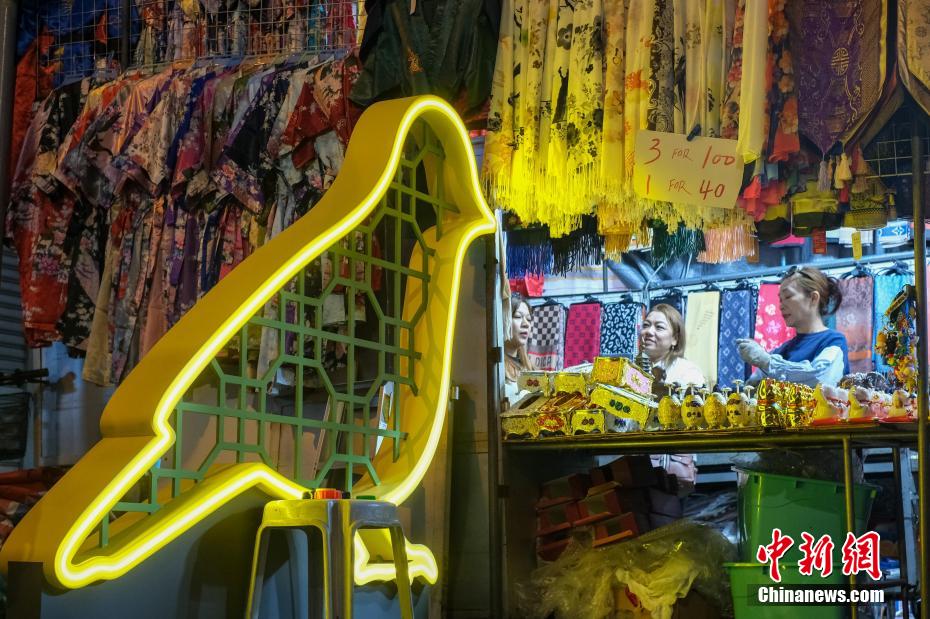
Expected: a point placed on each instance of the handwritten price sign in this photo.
(704, 171)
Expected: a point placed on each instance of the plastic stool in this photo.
(337, 522)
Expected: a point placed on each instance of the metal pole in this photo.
(850, 511)
(902, 535)
(7, 86)
(920, 280)
(495, 518)
(750, 275)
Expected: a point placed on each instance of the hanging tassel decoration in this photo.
(529, 251)
(823, 178)
(843, 172)
(577, 249)
(669, 246)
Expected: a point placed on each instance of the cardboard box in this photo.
(660, 520)
(628, 471)
(564, 489)
(609, 500)
(556, 518)
(664, 503)
(549, 547)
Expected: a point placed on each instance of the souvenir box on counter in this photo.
(621, 372)
(562, 404)
(624, 403)
(562, 414)
(535, 382)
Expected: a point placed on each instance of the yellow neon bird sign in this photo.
(136, 428)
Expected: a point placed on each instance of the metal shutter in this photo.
(12, 341)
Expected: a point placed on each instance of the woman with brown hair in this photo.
(663, 340)
(515, 358)
(816, 355)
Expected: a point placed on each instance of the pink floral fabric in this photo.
(771, 330)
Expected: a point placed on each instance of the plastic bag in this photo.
(659, 568)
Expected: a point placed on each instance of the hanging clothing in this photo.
(702, 325)
(736, 322)
(620, 327)
(440, 47)
(854, 320)
(771, 330)
(39, 217)
(546, 346)
(582, 333)
(120, 215)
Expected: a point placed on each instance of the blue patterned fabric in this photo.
(737, 320)
(620, 326)
(676, 300)
(886, 288)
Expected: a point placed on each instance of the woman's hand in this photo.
(753, 353)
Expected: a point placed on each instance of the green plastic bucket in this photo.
(743, 577)
(795, 505)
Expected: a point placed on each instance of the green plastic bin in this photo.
(743, 577)
(795, 505)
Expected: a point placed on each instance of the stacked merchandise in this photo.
(134, 197)
(618, 500)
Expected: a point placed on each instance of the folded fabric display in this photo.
(814, 209)
(737, 318)
(854, 320)
(131, 201)
(895, 234)
(844, 236)
(582, 333)
(546, 346)
(620, 327)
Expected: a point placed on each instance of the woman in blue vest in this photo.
(816, 354)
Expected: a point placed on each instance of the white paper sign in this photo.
(702, 171)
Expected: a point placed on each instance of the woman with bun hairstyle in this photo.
(816, 354)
